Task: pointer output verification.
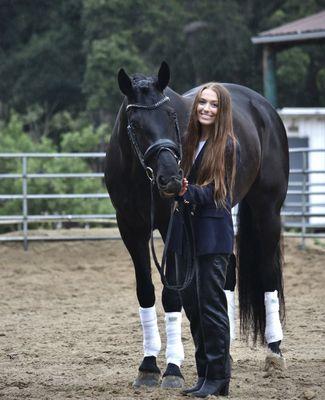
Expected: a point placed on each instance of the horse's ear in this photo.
(124, 82)
(163, 75)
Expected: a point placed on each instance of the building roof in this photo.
(311, 27)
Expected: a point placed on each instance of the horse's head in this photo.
(153, 128)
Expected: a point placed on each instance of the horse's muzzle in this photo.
(171, 188)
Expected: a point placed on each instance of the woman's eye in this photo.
(201, 102)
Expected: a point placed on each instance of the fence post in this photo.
(25, 204)
(304, 198)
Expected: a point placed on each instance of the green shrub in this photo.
(13, 139)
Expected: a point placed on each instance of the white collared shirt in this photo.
(199, 148)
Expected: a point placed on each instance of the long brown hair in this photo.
(219, 161)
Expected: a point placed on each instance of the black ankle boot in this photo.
(195, 388)
(212, 387)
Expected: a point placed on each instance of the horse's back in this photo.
(247, 104)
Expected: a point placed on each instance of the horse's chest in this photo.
(131, 201)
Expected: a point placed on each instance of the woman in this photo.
(209, 164)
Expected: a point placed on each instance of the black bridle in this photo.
(176, 150)
(160, 145)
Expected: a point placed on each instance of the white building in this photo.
(306, 128)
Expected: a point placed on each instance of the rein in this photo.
(176, 151)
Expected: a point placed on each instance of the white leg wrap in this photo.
(174, 348)
(151, 337)
(234, 212)
(273, 328)
(231, 313)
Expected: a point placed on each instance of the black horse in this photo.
(145, 145)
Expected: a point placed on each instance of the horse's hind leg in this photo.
(230, 295)
(267, 282)
(137, 245)
(270, 230)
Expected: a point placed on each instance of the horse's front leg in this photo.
(172, 377)
(137, 244)
(230, 286)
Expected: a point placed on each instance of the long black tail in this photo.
(250, 266)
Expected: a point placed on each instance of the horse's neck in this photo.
(121, 133)
(128, 159)
(180, 103)
(182, 107)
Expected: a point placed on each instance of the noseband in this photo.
(161, 144)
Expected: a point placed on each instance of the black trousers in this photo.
(205, 305)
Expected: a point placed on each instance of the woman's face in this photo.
(207, 107)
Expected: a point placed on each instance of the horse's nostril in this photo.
(162, 181)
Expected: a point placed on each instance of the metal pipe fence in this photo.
(304, 218)
(25, 218)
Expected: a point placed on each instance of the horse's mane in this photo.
(142, 81)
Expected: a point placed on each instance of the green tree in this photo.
(41, 55)
(103, 62)
(63, 56)
(292, 72)
(216, 51)
(321, 84)
(136, 35)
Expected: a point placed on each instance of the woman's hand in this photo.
(184, 187)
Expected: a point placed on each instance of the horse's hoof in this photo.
(149, 379)
(274, 362)
(172, 382)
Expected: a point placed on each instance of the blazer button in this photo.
(192, 212)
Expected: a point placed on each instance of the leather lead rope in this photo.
(189, 268)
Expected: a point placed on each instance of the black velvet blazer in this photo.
(212, 225)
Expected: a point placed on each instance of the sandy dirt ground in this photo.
(69, 327)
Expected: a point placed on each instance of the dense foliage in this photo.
(59, 60)
(63, 55)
